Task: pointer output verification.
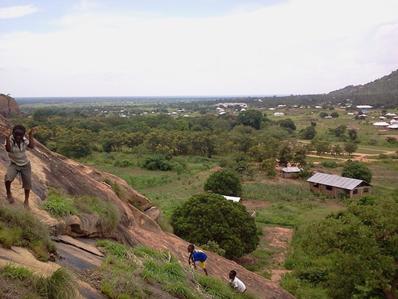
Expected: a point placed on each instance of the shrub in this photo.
(20, 228)
(222, 221)
(329, 164)
(58, 205)
(357, 170)
(213, 247)
(60, 284)
(392, 140)
(157, 163)
(308, 133)
(224, 182)
(334, 114)
(123, 163)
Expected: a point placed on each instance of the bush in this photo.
(123, 163)
(213, 247)
(60, 205)
(224, 182)
(222, 221)
(20, 228)
(60, 285)
(357, 170)
(308, 133)
(334, 114)
(329, 164)
(157, 163)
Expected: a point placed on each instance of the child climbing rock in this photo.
(197, 256)
(16, 145)
(236, 283)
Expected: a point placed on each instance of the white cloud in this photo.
(18, 11)
(302, 46)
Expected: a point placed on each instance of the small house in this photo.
(335, 185)
(291, 172)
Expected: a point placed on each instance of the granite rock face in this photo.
(8, 106)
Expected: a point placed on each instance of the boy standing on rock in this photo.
(16, 145)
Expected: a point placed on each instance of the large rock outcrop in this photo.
(136, 227)
(8, 106)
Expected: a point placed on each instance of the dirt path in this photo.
(278, 240)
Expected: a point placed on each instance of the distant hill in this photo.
(383, 91)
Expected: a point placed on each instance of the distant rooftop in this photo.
(291, 169)
(335, 181)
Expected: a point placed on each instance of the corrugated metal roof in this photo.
(291, 169)
(335, 181)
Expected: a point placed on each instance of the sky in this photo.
(194, 47)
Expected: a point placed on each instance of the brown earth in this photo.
(278, 239)
(53, 170)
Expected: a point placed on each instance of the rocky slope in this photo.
(51, 170)
(8, 105)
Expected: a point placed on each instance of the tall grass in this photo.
(61, 205)
(19, 227)
(277, 191)
(60, 285)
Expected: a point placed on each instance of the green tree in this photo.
(357, 170)
(353, 254)
(334, 114)
(288, 124)
(252, 118)
(210, 217)
(353, 134)
(350, 147)
(339, 131)
(308, 133)
(323, 114)
(224, 182)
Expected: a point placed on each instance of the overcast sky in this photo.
(194, 47)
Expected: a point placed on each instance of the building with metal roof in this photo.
(291, 171)
(336, 186)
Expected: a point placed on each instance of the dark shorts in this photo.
(26, 174)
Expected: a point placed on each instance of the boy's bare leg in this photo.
(205, 271)
(9, 194)
(26, 202)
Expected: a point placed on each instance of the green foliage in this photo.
(357, 170)
(288, 124)
(61, 205)
(157, 163)
(210, 217)
(123, 163)
(15, 272)
(213, 247)
(350, 147)
(329, 164)
(252, 118)
(277, 192)
(334, 114)
(268, 166)
(218, 290)
(19, 227)
(60, 285)
(224, 182)
(323, 114)
(308, 133)
(351, 254)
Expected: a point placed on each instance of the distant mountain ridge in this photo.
(385, 85)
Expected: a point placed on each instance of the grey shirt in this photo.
(17, 154)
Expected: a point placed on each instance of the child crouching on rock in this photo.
(236, 283)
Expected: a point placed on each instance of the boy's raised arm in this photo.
(8, 144)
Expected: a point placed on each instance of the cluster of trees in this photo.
(354, 253)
